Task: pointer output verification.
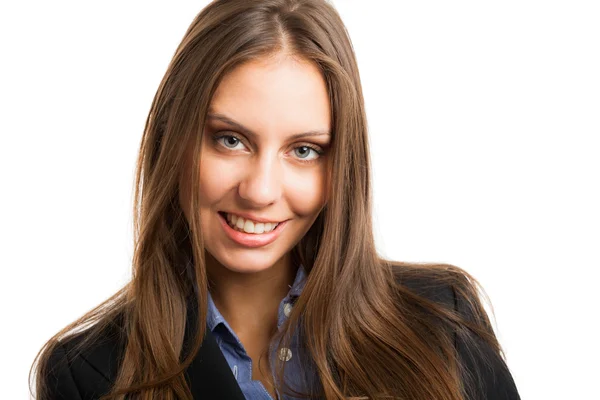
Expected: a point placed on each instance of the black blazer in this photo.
(89, 375)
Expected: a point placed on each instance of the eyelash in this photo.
(316, 149)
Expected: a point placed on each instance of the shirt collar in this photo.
(214, 317)
(298, 284)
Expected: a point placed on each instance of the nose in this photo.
(262, 183)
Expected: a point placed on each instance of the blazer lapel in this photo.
(209, 374)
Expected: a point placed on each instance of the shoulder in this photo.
(84, 365)
(444, 285)
(483, 368)
(432, 283)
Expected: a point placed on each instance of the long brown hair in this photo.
(366, 331)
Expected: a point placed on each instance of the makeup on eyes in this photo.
(219, 135)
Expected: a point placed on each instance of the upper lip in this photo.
(252, 217)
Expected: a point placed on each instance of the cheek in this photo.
(214, 184)
(306, 191)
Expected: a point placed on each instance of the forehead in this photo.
(278, 96)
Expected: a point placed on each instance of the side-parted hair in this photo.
(367, 333)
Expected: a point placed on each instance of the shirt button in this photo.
(285, 354)
(287, 309)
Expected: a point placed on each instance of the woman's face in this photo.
(254, 164)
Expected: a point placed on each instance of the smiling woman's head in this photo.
(263, 162)
(258, 125)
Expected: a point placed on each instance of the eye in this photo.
(303, 152)
(228, 141)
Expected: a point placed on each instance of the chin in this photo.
(244, 262)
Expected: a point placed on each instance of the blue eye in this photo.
(305, 151)
(228, 141)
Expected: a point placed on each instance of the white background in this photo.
(484, 122)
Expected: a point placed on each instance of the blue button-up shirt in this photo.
(241, 364)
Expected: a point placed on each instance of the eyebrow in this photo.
(249, 132)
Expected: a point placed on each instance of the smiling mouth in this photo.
(244, 225)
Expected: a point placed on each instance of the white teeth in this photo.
(259, 228)
(249, 226)
(240, 223)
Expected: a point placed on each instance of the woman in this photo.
(255, 273)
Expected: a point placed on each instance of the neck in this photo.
(250, 301)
